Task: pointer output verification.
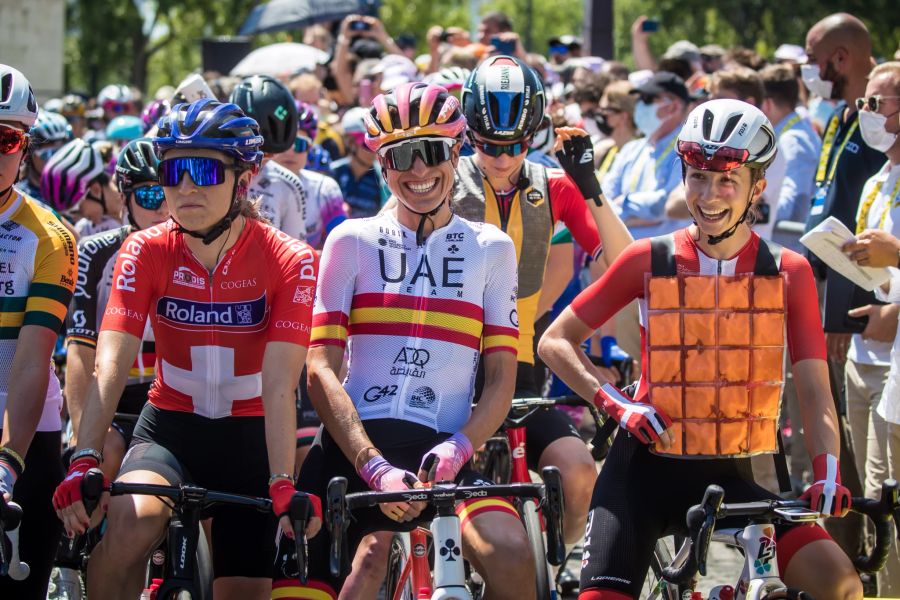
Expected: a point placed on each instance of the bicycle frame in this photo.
(448, 581)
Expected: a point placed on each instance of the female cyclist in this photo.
(715, 303)
(230, 302)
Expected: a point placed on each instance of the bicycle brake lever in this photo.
(300, 511)
(336, 517)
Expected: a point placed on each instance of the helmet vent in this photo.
(707, 124)
(730, 124)
(6, 84)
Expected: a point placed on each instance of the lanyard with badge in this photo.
(638, 169)
(607, 162)
(789, 125)
(863, 221)
(825, 172)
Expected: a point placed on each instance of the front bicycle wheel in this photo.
(543, 582)
(398, 582)
(655, 587)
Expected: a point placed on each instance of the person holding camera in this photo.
(354, 27)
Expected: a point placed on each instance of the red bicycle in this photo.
(502, 460)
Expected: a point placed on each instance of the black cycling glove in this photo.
(577, 159)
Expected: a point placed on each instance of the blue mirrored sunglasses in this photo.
(496, 150)
(203, 170)
(301, 144)
(149, 197)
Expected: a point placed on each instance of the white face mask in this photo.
(645, 117)
(812, 79)
(872, 127)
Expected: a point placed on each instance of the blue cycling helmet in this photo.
(50, 127)
(213, 125)
(503, 99)
(125, 128)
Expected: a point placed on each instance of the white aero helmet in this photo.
(17, 101)
(721, 135)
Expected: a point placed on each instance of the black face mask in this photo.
(602, 124)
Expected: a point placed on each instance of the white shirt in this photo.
(283, 201)
(863, 351)
(889, 406)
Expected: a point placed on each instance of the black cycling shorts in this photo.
(403, 444)
(130, 406)
(225, 455)
(40, 530)
(640, 497)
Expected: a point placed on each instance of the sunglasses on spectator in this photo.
(559, 49)
(301, 143)
(149, 197)
(432, 151)
(204, 171)
(723, 159)
(873, 103)
(497, 150)
(12, 140)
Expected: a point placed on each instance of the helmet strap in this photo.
(715, 239)
(128, 200)
(224, 223)
(424, 216)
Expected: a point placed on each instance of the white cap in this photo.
(395, 70)
(791, 52)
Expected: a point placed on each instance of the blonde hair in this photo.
(890, 69)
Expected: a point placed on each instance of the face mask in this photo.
(645, 118)
(812, 79)
(602, 124)
(872, 126)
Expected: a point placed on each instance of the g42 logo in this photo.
(377, 392)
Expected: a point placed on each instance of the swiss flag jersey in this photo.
(212, 328)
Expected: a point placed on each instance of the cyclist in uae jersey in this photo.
(324, 200)
(417, 294)
(718, 300)
(282, 197)
(504, 103)
(145, 204)
(229, 299)
(37, 274)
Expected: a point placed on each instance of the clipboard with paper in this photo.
(826, 241)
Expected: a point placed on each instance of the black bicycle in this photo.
(180, 579)
(760, 578)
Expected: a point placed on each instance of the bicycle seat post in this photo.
(449, 572)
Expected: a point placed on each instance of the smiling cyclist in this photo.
(716, 301)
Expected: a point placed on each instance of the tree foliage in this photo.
(149, 43)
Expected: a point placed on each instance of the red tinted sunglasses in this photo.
(12, 140)
(723, 159)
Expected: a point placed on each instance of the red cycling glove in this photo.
(827, 495)
(68, 492)
(282, 490)
(643, 421)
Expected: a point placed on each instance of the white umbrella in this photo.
(276, 60)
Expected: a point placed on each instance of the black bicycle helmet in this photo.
(503, 99)
(269, 102)
(137, 164)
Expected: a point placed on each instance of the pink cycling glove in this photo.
(452, 454)
(382, 476)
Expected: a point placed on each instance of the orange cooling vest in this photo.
(715, 347)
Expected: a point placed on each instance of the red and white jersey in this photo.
(212, 328)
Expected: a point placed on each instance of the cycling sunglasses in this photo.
(497, 150)
(432, 151)
(873, 103)
(559, 49)
(117, 107)
(203, 170)
(12, 140)
(723, 159)
(149, 197)
(301, 144)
